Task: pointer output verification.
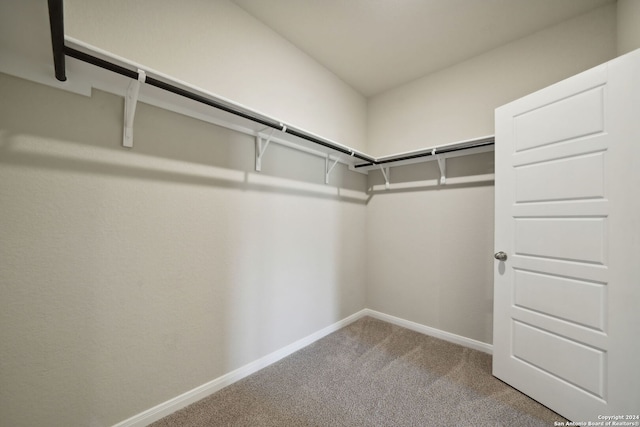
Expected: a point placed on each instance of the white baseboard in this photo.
(427, 330)
(170, 406)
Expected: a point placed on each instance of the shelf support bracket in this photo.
(442, 164)
(130, 102)
(261, 147)
(385, 174)
(328, 169)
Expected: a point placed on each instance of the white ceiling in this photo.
(375, 45)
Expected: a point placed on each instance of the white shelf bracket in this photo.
(130, 102)
(385, 174)
(261, 147)
(442, 164)
(328, 169)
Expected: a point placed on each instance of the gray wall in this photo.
(628, 36)
(429, 249)
(457, 103)
(219, 47)
(129, 277)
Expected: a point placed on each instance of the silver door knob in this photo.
(500, 256)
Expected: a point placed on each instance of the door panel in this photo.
(574, 239)
(584, 369)
(580, 177)
(583, 113)
(537, 292)
(567, 215)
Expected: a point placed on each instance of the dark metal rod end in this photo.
(56, 22)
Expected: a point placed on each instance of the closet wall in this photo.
(628, 12)
(217, 46)
(132, 276)
(129, 277)
(457, 103)
(430, 250)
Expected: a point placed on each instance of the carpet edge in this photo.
(172, 405)
(433, 332)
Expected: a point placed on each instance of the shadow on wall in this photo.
(466, 171)
(430, 245)
(170, 147)
(167, 147)
(131, 276)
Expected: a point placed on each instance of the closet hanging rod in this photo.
(56, 25)
(93, 60)
(431, 152)
(60, 50)
(90, 59)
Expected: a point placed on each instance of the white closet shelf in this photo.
(90, 67)
(224, 112)
(95, 68)
(461, 148)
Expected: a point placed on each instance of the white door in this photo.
(567, 297)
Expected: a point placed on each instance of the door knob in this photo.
(500, 256)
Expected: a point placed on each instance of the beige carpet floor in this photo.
(370, 373)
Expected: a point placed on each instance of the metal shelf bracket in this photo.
(261, 147)
(442, 164)
(328, 169)
(130, 102)
(385, 174)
